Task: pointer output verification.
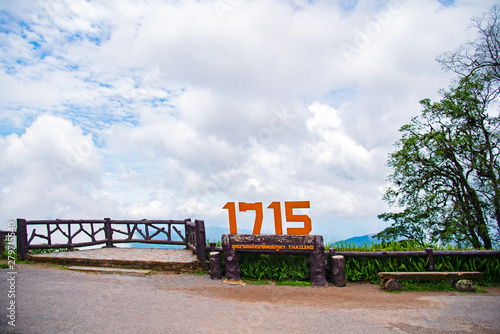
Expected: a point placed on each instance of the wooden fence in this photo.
(428, 252)
(90, 232)
(110, 232)
(337, 266)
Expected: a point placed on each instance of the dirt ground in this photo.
(354, 295)
(51, 300)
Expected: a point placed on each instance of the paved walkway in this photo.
(50, 300)
(165, 259)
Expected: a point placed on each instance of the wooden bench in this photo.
(388, 280)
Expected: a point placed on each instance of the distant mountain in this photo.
(214, 233)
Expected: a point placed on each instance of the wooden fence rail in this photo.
(428, 252)
(110, 232)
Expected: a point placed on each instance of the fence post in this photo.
(189, 230)
(430, 260)
(231, 259)
(3, 235)
(22, 238)
(317, 263)
(201, 240)
(215, 270)
(108, 232)
(338, 270)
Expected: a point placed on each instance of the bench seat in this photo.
(431, 275)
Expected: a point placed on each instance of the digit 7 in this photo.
(259, 216)
(290, 217)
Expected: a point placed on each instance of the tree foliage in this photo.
(446, 165)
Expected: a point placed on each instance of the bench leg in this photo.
(392, 285)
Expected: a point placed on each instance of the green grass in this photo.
(254, 282)
(46, 251)
(420, 286)
(409, 285)
(294, 283)
(261, 267)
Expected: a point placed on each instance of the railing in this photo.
(82, 233)
(3, 235)
(428, 252)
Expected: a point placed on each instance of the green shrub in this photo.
(296, 267)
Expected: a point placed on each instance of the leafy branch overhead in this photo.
(446, 165)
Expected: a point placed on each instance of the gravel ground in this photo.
(51, 300)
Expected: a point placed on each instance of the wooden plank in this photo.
(383, 254)
(430, 275)
(143, 241)
(468, 253)
(56, 246)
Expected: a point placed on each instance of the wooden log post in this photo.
(201, 240)
(212, 246)
(108, 232)
(430, 260)
(3, 235)
(190, 235)
(22, 238)
(215, 270)
(337, 270)
(317, 263)
(231, 262)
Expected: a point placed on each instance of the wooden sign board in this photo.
(311, 245)
(273, 244)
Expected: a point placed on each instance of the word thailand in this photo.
(272, 247)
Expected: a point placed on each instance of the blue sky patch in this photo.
(447, 2)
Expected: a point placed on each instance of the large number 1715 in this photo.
(276, 207)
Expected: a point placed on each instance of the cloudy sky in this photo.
(170, 109)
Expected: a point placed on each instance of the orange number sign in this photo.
(276, 207)
(231, 208)
(278, 226)
(290, 217)
(257, 225)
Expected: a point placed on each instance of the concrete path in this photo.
(164, 259)
(51, 300)
(104, 270)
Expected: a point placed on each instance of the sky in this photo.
(169, 109)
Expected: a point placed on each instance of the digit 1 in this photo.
(278, 225)
(231, 208)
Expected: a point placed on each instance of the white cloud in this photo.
(168, 108)
(52, 170)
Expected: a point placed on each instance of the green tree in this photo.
(446, 170)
